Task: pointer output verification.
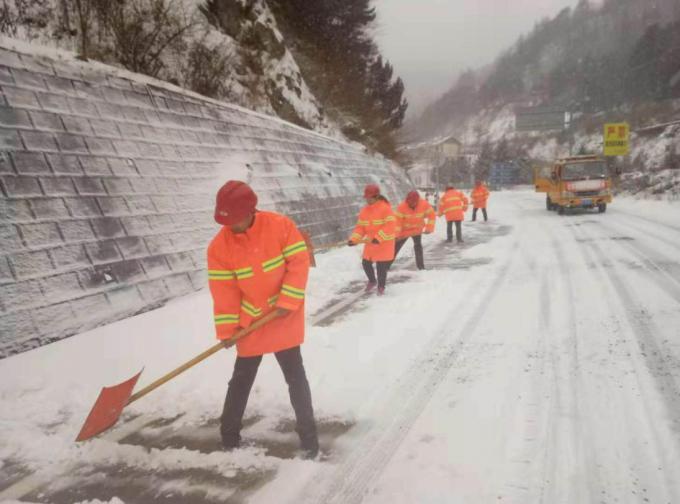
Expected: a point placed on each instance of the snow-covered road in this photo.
(537, 363)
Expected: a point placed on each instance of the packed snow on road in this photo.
(538, 361)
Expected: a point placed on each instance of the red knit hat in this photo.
(413, 198)
(371, 191)
(235, 201)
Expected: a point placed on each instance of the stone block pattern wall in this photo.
(107, 184)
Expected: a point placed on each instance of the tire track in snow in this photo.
(549, 465)
(645, 336)
(662, 277)
(648, 220)
(536, 404)
(540, 440)
(566, 442)
(646, 333)
(348, 483)
(568, 403)
(642, 229)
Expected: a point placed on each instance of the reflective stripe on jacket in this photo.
(453, 205)
(254, 272)
(479, 196)
(376, 221)
(413, 221)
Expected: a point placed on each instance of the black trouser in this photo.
(449, 231)
(383, 266)
(417, 248)
(474, 213)
(241, 382)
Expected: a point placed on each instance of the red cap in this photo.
(413, 198)
(235, 201)
(371, 191)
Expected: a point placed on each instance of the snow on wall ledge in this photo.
(108, 181)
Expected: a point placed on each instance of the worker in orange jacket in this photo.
(479, 197)
(453, 205)
(376, 227)
(258, 262)
(414, 216)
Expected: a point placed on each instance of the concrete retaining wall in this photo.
(107, 184)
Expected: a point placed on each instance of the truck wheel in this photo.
(548, 204)
(602, 207)
(560, 210)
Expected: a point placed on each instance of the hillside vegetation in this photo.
(311, 63)
(623, 55)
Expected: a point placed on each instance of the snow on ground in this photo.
(538, 362)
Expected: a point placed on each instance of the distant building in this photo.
(428, 155)
(447, 149)
(421, 175)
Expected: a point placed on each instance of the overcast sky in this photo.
(429, 42)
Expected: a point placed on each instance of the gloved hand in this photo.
(375, 241)
(350, 243)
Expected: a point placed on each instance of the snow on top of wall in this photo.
(92, 69)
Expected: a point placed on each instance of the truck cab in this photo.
(575, 182)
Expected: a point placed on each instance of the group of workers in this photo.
(258, 262)
(385, 232)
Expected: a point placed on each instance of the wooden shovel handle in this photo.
(216, 348)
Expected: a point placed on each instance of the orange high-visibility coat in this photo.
(376, 221)
(413, 221)
(479, 196)
(453, 205)
(251, 274)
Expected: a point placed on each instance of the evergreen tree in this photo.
(348, 74)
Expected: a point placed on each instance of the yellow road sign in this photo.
(616, 139)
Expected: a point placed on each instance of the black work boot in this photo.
(310, 447)
(231, 442)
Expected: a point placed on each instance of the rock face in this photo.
(108, 181)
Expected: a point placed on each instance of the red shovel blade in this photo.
(107, 409)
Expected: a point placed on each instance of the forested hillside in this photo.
(591, 59)
(312, 63)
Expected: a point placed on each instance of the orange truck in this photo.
(575, 182)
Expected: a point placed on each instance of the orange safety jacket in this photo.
(413, 221)
(251, 274)
(479, 195)
(453, 205)
(376, 221)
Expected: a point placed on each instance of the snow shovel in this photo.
(111, 401)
